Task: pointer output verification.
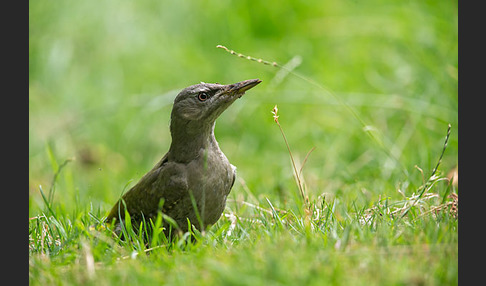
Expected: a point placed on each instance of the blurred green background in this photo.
(103, 75)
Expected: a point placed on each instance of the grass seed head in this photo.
(275, 114)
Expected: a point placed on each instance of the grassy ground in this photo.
(372, 86)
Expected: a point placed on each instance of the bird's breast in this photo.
(211, 183)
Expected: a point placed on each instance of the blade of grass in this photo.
(54, 179)
(424, 186)
(46, 202)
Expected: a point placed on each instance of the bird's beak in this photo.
(242, 86)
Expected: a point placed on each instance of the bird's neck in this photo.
(190, 141)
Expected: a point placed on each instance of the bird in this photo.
(194, 178)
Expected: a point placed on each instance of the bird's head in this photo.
(204, 102)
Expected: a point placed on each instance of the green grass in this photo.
(102, 78)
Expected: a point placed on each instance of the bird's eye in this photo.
(202, 96)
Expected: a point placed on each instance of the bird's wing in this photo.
(165, 181)
(234, 178)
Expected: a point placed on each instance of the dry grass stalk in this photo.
(300, 185)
